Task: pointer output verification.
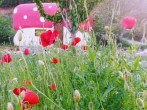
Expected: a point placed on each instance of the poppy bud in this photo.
(20, 37)
(76, 96)
(26, 52)
(140, 103)
(10, 106)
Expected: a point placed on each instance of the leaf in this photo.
(91, 55)
(80, 77)
(136, 63)
(106, 93)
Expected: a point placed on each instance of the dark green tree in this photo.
(12, 3)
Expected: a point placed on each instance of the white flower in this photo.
(10, 106)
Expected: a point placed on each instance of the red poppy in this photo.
(30, 98)
(84, 47)
(6, 58)
(26, 52)
(64, 47)
(47, 38)
(53, 86)
(75, 41)
(26, 82)
(128, 22)
(54, 60)
(17, 91)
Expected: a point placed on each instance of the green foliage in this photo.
(76, 10)
(6, 31)
(100, 77)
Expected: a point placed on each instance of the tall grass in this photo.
(106, 79)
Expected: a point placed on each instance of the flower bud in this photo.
(140, 103)
(91, 106)
(22, 94)
(10, 106)
(20, 37)
(76, 96)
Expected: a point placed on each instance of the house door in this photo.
(59, 27)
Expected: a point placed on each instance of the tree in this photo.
(12, 3)
(76, 10)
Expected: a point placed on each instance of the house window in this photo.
(38, 32)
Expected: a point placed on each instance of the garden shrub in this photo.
(6, 31)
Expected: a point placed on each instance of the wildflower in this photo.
(6, 58)
(10, 106)
(128, 22)
(64, 47)
(40, 62)
(53, 86)
(54, 60)
(47, 38)
(26, 82)
(26, 52)
(75, 41)
(84, 47)
(17, 91)
(76, 96)
(30, 99)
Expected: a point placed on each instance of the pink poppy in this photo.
(6, 58)
(26, 52)
(128, 22)
(47, 38)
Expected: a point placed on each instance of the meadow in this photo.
(93, 78)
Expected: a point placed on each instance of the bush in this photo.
(6, 31)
